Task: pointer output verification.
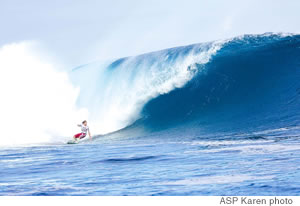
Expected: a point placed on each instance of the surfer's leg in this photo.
(77, 136)
(82, 136)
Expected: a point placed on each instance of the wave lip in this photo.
(250, 84)
(115, 93)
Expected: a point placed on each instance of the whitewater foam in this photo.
(38, 102)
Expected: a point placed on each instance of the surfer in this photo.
(84, 130)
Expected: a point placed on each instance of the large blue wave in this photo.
(242, 84)
(250, 82)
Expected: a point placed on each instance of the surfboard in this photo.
(72, 142)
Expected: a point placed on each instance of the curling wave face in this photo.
(116, 92)
(248, 82)
(241, 84)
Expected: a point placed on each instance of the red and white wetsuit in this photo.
(84, 130)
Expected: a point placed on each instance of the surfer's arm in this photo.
(89, 134)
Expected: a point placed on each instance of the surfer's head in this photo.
(84, 122)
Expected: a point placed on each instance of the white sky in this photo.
(80, 31)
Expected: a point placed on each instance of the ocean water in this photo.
(235, 166)
(217, 118)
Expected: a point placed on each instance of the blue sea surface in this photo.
(254, 165)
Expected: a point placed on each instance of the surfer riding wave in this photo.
(84, 130)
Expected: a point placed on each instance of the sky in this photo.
(76, 32)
